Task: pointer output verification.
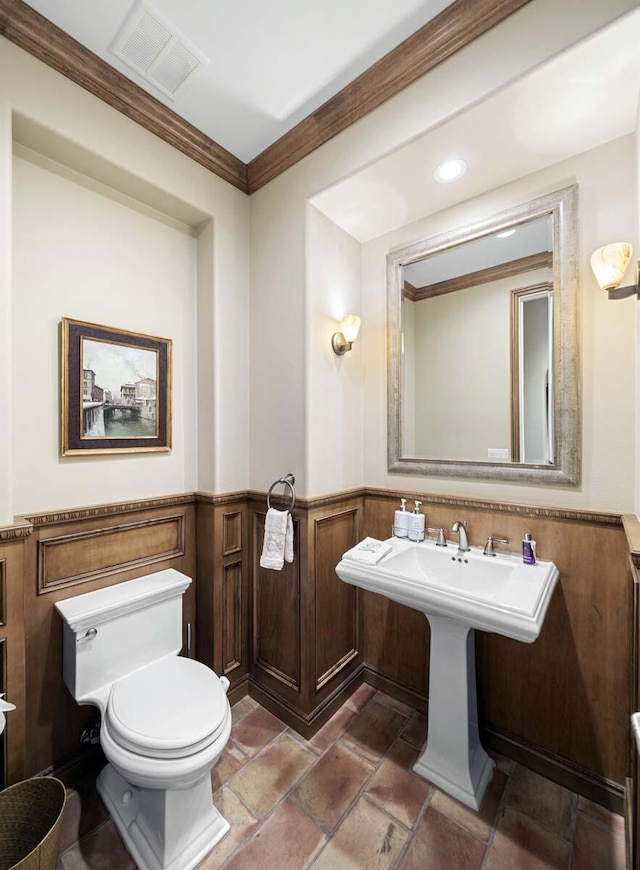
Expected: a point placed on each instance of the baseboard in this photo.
(238, 690)
(604, 792)
(71, 769)
(396, 690)
(306, 724)
(560, 770)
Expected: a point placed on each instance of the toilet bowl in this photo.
(165, 719)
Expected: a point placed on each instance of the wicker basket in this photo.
(30, 824)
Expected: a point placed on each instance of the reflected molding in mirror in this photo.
(561, 462)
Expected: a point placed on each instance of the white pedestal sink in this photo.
(458, 592)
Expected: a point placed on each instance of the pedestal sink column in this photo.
(453, 758)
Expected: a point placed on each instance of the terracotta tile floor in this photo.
(347, 800)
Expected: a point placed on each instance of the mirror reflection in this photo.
(477, 349)
(483, 376)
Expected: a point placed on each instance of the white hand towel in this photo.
(369, 551)
(288, 540)
(278, 540)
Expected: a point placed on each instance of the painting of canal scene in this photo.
(116, 390)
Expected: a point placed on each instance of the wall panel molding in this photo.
(99, 553)
(336, 609)
(231, 532)
(631, 525)
(533, 511)
(54, 518)
(4, 736)
(3, 592)
(232, 616)
(15, 532)
(277, 610)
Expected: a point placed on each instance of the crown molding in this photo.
(453, 29)
(36, 34)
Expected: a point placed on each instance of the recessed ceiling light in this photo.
(450, 170)
(505, 234)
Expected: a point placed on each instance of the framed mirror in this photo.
(483, 350)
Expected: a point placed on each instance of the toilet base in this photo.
(163, 829)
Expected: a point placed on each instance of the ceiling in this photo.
(530, 237)
(583, 98)
(269, 66)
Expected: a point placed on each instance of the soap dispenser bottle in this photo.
(528, 550)
(401, 520)
(416, 524)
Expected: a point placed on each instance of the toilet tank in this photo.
(112, 632)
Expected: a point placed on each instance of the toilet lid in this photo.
(169, 709)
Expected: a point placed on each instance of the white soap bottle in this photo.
(401, 520)
(416, 524)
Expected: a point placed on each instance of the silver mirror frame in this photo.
(566, 469)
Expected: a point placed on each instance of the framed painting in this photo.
(116, 390)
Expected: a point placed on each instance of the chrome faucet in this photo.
(460, 528)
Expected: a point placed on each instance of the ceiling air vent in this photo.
(155, 49)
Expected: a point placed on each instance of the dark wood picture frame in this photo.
(144, 406)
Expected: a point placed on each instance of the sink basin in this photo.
(492, 593)
(458, 593)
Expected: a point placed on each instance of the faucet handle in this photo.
(489, 549)
(442, 541)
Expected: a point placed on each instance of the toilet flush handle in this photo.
(88, 635)
(225, 683)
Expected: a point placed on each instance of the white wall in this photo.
(605, 176)
(335, 388)
(79, 254)
(463, 370)
(116, 147)
(6, 342)
(637, 307)
(278, 244)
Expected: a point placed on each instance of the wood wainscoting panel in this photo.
(567, 694)
(336, 606)
(55, 721)
(4, 780)
(223, 584)
(232, 532)
(277, 614)
(205, 571)
(3, 592)
(232, 617)
(633, 767)
(75, 557)
(395, 639)
(12, 640)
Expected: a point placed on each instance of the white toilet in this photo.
(165, 719)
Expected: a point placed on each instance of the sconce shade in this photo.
(342, 341)
(350, 327)
(610, 263)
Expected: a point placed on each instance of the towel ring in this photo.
(288, 480)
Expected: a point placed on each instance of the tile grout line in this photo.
(498, 817)
(360, 793)
(574, 825)
(423, 809)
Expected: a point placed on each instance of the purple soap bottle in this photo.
(528, 550)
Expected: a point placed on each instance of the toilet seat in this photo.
(172, 708)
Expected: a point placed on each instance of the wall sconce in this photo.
(609, 265)
(342, 341)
